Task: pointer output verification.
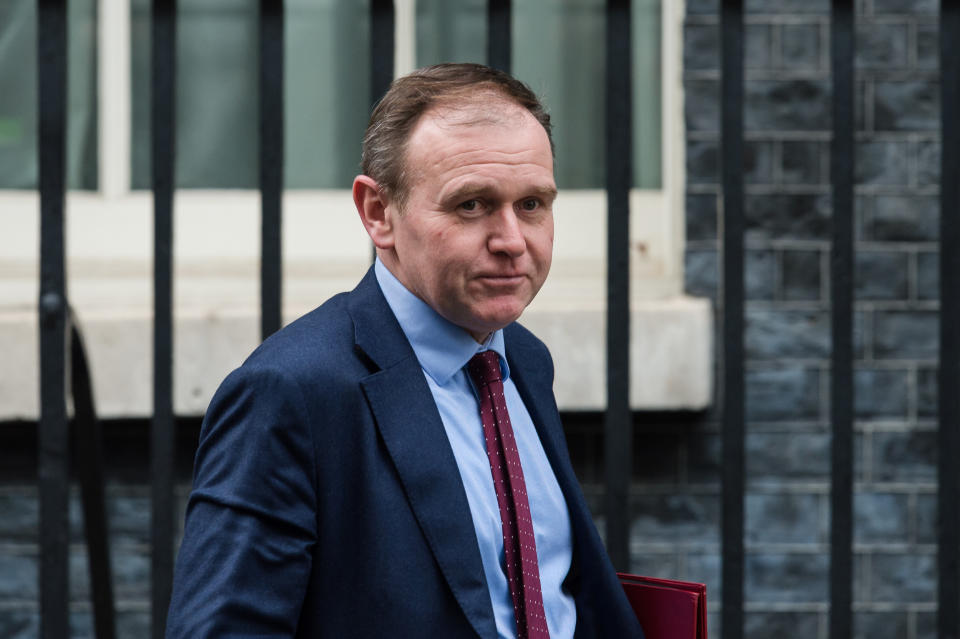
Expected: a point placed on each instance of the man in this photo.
(393, 464)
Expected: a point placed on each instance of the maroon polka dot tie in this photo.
(519, 545)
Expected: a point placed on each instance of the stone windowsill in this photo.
(217, 325)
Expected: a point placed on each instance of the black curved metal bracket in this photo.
(87, 448)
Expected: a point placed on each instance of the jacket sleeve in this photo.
(245, 560)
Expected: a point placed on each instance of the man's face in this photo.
(475, 238)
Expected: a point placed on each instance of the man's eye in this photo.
(530, 204)
(470, 205)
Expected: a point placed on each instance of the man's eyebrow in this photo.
(467, 191)
(546, 192)
(473, 189)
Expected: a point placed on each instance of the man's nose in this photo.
(506, 236)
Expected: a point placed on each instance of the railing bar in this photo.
(88, 453)
(618, 427)
(733, 322)
(382, 44)
(163, 131)
(271, 165)
(499, 34)
(382, 19)
(53, 435)
(841, 271)
(948, 501)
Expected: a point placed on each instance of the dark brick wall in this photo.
(788, 209)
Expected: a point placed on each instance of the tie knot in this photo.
(484, 368)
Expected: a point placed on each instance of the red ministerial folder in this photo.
(667, 609)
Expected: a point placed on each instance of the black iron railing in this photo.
(948, 611)
(618, 425)
(731, 139)
(53, 432)
(271, 164)
(53, 458)
(162, 434)
(841, 288)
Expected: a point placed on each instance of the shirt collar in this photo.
(441, 347)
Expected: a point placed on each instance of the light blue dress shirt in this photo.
(443, 349)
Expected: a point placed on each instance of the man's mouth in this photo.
(502, 279)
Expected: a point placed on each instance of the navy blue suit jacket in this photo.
(327, 501)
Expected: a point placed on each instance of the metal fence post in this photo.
(948, 492)
(841, 380)
(271, 166)
(54, 456)
(382, 39)
(499, 43)
(163, 131)
(618, 425)
(731, 126)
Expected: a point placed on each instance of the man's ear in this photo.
(372, 207)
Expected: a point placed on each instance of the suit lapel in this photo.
(602, 608)
(537, 393)
(535, 388)
(416, 442)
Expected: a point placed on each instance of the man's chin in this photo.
(501, 318)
